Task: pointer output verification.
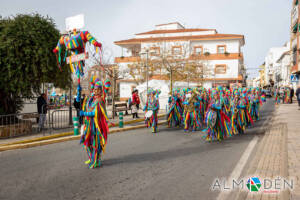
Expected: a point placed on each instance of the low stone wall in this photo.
(22, 128)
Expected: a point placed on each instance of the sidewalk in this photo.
(278, 155)
(127, 119)
(290, 115)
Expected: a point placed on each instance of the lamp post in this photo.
(146, 52)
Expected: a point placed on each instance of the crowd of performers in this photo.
(283, 95)
(218, 112)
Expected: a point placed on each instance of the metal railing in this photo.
(60, 118)
(53, 121)
(14, 125)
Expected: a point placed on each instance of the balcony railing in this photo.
(219, 56)
(127, 59)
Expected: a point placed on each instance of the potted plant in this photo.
(206, 53)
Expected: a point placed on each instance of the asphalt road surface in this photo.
(137, 165)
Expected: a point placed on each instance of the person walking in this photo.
(135, 103)
(292, 93)
(42, 110)
(298, 96)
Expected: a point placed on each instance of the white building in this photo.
(220, 54)
(271, 65)
(282, 70)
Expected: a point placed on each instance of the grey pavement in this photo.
(137, 165)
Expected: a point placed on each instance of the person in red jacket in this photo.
(135, 103)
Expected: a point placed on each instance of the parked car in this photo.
(268, 93)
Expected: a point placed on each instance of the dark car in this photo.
(268, 93)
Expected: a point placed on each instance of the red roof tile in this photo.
(181, 38)
(175, 31)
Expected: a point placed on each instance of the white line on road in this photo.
(235, 174)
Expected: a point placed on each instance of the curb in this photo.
(64, 139)
(67, 133)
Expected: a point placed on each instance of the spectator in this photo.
(298, 96)
(135, 103)
(292, 94)
(78, 107)
(42, 110)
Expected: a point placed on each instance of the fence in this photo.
(55, 120)
(18, 124)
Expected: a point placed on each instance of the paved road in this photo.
(137, 165)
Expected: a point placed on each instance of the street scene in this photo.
(175, 100)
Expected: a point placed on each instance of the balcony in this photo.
(230, 56)
(127, 59)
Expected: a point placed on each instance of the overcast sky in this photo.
(265, 23)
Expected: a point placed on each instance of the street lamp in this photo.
(146, 52)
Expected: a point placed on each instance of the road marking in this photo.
(235, 174)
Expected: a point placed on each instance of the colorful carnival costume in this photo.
(73, 46)
(153, 106)
(239, 115)
(287, 95)
(217, 121)
(191, 109)
(94, 135)
(254, 106)
(277, 96)
(175, 113)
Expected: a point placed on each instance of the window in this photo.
(176, 50)
(155, 51)
(198, 50)
(221, 49)
(220, 69)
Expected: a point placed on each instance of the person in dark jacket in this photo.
(298, 96)
(292, 93)
(77, 106)
(42, 110)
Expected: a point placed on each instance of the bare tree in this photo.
(108, 70)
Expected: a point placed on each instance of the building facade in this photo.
(218, 57)
(282, 70)
(271, 64)
(295, 42)
(262, 75)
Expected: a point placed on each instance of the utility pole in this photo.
(113, 92)
(70, 105)
(147, 51)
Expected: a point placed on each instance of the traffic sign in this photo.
(294, 78)
(78, 57)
